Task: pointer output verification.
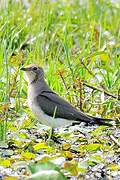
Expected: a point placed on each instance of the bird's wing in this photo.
(55, 106)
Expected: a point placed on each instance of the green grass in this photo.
(69, 37)
(78, 45)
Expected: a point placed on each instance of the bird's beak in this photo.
(25, 69)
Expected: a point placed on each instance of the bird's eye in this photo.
(34, 68)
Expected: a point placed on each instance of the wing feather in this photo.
(57, 107)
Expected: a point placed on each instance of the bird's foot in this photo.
(52, 137)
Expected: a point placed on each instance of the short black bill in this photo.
(25, 69)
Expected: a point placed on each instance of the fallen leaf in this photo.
(39, 146)
(66, 146)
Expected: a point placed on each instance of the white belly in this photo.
(46, 119)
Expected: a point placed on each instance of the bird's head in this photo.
(33, 73)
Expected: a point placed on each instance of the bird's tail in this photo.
(101, 121)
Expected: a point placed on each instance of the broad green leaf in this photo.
(95, 158)
(47, 175)
(47, 167)
(35, 167)
(91, 147)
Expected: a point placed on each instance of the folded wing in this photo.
(57, 107)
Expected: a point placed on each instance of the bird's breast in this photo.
(34, 107)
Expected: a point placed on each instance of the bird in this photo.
(51, 109)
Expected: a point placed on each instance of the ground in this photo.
(78, 45)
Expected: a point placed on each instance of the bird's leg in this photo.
(52, 136)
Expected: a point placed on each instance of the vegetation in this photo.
(78, 44)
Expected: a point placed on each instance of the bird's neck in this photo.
(37, 86)
(37, 79)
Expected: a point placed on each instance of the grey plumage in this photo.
(43, 101)
(55, 106)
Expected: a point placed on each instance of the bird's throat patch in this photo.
(35, 80)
